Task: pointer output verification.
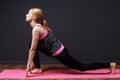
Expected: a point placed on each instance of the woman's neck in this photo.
(33, 23)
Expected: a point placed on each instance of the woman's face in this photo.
(29, 17)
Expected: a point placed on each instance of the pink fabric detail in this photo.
(59, 73)
(58, 51)
(43, 35)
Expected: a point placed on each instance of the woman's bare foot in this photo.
(36, 71)
(112, 67)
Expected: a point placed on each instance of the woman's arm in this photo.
(35, 37)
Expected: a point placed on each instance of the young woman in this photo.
(44, 40)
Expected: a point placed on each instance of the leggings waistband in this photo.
(58, 51)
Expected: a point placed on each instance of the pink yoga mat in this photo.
(61, 73)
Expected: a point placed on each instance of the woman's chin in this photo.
(27, 20)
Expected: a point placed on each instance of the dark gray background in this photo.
(88, 28)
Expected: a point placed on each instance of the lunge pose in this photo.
(44, 40)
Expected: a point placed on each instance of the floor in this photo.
(44, 67)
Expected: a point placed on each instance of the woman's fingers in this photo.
(27, 71)
(26, 75)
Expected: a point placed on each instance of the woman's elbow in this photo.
(32, 50)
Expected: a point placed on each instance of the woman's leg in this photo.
(37, 69)
(36, 60)
(73, 63)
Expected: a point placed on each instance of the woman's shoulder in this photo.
(38, 25)
(39, 29)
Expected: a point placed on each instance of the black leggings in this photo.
(71, 62)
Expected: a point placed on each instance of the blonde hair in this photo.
(39, 17)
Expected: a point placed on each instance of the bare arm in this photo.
(35, 37)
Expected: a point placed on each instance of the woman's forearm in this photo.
(31, 56)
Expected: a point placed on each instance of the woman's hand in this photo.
(30, 67)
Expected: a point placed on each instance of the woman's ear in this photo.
(34, 17)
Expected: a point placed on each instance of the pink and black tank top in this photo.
(49, 44)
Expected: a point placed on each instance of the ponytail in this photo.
(45, 24)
